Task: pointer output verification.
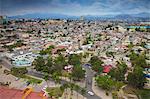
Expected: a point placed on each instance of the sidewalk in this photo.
(99, 92)
(67, 95)
(81, 83)
(17, 84)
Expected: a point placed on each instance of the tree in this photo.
(74, 59)
(49, 65)
(55, 77)
(106, 83)
(139, 60)
(43, 52)
(96, 63)
(59, 63)
(46, 77)
(143, 44)
(83, 91)
(78, 73)
(136, 78)
(72, 85)
(62, 88)
(109, 54)
(19, 43)
(19, 72)
(39, 64)
(130, 46)
(77, 88)
(47, 51)
(44, 65)
(66, 85)
(119, 72)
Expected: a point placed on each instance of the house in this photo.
(54, 51)
(107, 68)
(48, 44)
(7, 93)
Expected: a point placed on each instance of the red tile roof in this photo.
(6, 93)
(106, 68)
(58, 48)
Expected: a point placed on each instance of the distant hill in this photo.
(133, 16)
(42, 16)
(62, 16)
(124, 16)
(144, 14)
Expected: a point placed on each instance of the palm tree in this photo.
(55, 77)
(66, 85)
(77, 88)
(46, 78)
(70, 77)
(83, 91)
(72, 85)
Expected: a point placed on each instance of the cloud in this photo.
(74, 7)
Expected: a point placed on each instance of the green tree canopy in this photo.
(96, 63)
(39, 64)
(59, 63)
(74, 59)
(47, 51)
(107, 83)
(136, 78)
(19, 71)
(119, 72)
(138, 59)
(78, 73)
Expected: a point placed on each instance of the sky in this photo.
(74, 7)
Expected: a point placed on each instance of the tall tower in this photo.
(82, 18)
(3, 19)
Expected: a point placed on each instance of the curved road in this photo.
(90, 74)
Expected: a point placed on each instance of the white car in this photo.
(90, 93)
(85, 76)
(17, 79)
(44, 88)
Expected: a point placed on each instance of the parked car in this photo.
(44, 88)
(17, 79)
(85, 75)
(90, 93)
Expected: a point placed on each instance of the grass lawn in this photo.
(143, 93)
(54, 91)
(32, 79)
(129, 90)
(65, 73)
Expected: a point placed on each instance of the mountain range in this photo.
(62, 16)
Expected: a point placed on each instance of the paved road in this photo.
(6, 63)
(90, 74)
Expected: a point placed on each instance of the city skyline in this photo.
(74, 7)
